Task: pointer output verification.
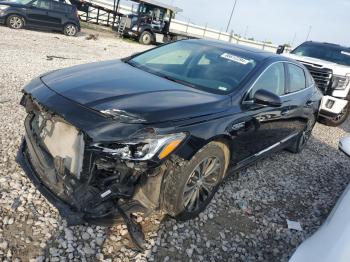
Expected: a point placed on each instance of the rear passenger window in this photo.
(309, 79)
(60, 6)
(42, 4)
(297, 79)
(273, 80)
(57, 6)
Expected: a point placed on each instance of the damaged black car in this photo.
(160, 130)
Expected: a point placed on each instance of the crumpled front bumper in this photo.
(71, 214)
(65, 210)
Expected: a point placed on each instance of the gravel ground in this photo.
(246, 220)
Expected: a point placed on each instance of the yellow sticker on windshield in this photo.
(235, 58)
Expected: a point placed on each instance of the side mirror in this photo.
(280, 49)
(267, 98)
(344, 145)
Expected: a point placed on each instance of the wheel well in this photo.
(196, 145)
(70, 23)
(224, 139)
(225, 142)
(147, 30)
(8, 15)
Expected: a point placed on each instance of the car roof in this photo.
(253, 53)
(159, 4)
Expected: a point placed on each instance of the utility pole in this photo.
(292, 43)
(308, 34)
(246, 31)
(229, 21)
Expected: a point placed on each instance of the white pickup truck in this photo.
(329, 64)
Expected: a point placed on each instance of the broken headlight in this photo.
(340, 82)
(143, 148)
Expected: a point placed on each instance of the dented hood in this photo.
(115, 85)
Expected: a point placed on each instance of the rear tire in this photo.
(302, 139)
(337, 120)
(70, 30)
(186, 192)
(15, 22)
(146, 38)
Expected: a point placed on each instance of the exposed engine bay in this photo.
(96, 183)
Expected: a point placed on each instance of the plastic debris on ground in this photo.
(294, 225)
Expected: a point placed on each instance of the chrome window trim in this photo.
(244, 101)
(292, 93)
(306, 87)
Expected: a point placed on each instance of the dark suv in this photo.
(48, 14)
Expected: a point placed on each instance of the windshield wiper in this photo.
(129, 62)
(182, 82)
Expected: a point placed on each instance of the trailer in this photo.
(148, 24)
(130, 22)
(98, 13)
(151, 23)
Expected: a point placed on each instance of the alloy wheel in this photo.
(16, 22)
(199, 186)
(71, 30)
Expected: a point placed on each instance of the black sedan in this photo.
(160, 130)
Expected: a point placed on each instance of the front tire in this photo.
(339, 119)
(146, 38)
(15, 22)
(70, 30)
(189, 187)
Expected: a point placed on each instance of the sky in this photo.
(278, 21)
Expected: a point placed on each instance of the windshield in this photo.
(199, 66)
(335, 54)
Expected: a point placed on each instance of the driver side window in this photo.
(41, 4)
(273, 80)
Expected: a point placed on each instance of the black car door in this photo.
(261, 128)
(299, 96)
(57, 13)
(37, 13)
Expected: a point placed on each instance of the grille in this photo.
(321, 75)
